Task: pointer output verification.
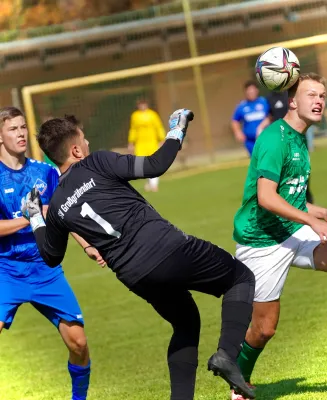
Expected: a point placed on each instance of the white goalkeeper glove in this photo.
(31, 209)
(178, 123)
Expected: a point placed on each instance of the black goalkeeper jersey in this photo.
(95, 200)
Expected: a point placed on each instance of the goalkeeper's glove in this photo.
(31, 209)
(178, 123)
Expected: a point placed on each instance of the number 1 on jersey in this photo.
(88, 211)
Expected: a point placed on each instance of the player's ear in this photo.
(292, 103)
(77, 152)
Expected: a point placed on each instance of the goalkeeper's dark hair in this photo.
(54, 135)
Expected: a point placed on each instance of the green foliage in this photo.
(9, 36)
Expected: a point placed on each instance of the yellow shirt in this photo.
(146, 132)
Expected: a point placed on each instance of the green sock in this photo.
(247, 359)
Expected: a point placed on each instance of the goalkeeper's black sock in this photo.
(236, 315)
(235, 321)
(182, 368)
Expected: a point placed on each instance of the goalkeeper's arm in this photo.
(161, 160)
(128, 167)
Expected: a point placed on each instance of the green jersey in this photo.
(281, 155)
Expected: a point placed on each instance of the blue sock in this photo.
(80, 380)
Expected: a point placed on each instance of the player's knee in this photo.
(267, 333)
(188, 326)
(190, 322)
(319, 258)
(263, 332)
(243, 286)
(195, 326)
(81, 343)
(78, 344)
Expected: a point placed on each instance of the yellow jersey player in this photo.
(146, 135)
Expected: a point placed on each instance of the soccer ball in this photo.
(277, 69)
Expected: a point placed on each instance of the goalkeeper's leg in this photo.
(178, 308)
(201, 266)
(235, 318)
(210, 269)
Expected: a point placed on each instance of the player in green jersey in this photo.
(275, 226)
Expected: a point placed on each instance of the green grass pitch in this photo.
(128, 340)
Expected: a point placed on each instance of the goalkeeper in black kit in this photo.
(149, 255)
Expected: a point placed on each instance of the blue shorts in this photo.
(54, 299)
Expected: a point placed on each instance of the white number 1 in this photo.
(87, 210)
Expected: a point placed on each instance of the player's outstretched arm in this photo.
(269, 199)
(159, 162)
(129, 167)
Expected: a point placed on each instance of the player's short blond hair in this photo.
(9, 113)
(304, 77)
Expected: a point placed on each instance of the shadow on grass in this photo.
(275, 390)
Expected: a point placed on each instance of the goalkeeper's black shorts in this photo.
(196, 265)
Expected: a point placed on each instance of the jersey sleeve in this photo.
(52, 239)
(52, 183)
(238, 114)
(270, 153)
(116, 165)
(129, 167)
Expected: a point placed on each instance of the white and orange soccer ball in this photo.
(277, 69)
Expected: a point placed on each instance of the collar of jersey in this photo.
(15, 170)
(66, 173)
(292, 130)
(249, 102)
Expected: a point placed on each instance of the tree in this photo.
(15, 14)
(41, 14)
(6, 12)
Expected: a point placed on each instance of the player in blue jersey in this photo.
(248, 115)
(24, 276)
